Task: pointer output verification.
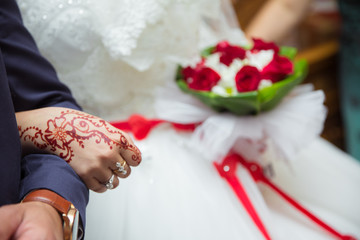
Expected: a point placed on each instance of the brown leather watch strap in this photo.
(49, 197)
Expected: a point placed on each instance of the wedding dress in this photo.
(114, 55)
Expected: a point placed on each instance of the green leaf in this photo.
(288, 52)
(207, 51)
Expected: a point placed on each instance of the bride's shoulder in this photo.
(124, 29)
(81, 22)
(41, 14)
(128, 17)
(70, 20)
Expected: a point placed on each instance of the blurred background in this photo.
(317, 39)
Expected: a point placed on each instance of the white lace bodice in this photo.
(114, 53)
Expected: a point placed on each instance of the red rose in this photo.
(201, 78)
(189, 72)
(261, 45)
(277, 69)
(247, 79)
(229, 52)
(221, 46)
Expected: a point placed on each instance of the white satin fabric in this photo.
(114, 54)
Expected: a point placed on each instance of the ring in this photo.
(121, 167)
(109, 184)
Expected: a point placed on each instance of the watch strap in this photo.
(46, 196)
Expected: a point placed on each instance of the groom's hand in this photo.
(94, 149)
(27, 221)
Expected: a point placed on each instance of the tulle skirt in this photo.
(176, 194)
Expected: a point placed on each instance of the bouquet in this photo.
(230, 92)
(243, 80)
(246, 82)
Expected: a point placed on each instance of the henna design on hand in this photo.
(73, 126)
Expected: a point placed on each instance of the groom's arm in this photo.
(34, 84)
(33, 80)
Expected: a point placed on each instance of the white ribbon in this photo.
(290, 126)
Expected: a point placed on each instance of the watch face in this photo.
(75, 227)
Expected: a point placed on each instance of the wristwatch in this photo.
(68, 212)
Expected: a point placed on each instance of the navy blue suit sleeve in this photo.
(10, 147)
(33, 80)
(34, 84)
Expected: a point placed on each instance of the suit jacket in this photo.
(28, 81)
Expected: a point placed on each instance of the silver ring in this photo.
(109, 184)
(121, 167)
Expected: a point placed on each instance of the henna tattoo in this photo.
(73, 126)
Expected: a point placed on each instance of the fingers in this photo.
(112, 182)
(10, 219)
(98, 174)
(130, 153)
(103, 162)
(102, 182)
(121, 169)
(94, 185)
(38, 221)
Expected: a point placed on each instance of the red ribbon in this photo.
(227, 169)
(141, 127)
(138, 125)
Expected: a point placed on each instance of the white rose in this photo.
(259, 59)
(265, 83)
(213, 61)
(225, 92)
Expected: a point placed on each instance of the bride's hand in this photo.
(92, 147)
